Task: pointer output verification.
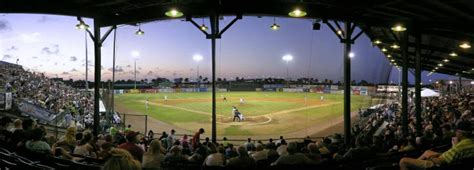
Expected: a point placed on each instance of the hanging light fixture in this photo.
(297, 13)
(203, 27)
(399, 28)
(139, 31)
(384, 50)
(377, 42)
(453, 54)
(441, 65)
(395, 46)
(465, 45)
(388, 56)
(445, 60)
(174, 13)
(274, 25)
(81, 25)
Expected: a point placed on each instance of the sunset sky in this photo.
(250, 49)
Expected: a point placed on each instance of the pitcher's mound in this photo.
(251, 120)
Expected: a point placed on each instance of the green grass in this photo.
(257, 103)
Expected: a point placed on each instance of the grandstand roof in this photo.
(443, 24)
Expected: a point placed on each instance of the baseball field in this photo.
(265, 113)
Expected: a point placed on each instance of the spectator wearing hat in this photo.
(463, 147)
(131, 145)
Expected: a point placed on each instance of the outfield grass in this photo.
(289, 112)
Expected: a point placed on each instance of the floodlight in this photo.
(377, 42)
(399, 28)
(395, 46)
(453, 54)
(297, 13)
(287, 58)
(465, 45)
(82, 25)
(351, 55)
(197, 57)
(174, 13)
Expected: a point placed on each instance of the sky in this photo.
(52, 45)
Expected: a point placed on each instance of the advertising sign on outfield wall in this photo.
(293, 90)
(167, 90)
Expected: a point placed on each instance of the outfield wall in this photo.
(333, 89)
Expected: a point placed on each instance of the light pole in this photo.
(197, 58)
(135, 55)
(287, 58)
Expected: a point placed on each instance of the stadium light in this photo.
(399, 28)
(174, 13)
(135, 55)
(472, 82)
(351, 55)
(287, 58)
(450, 82)
(197, 58)
(297, 13)
(465, 45)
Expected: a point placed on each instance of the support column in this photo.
(347, 84)
(97, 64)
(460, 84)
(214, 20)
(418, 108)
(404, 40)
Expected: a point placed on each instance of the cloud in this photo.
(4, 25)
(30, 38)
(45, 18)
(12, 48)
(73, 70)
(65, 73)
(55, 63)
(118, 69)
(7, 56)
(35, 57)
(129, 66)
(150, 73)
(139, 68)
(89, 63)
(53, 50)
(132, 72)
(73, 58)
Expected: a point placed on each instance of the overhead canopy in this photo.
(429, 93)
(443, 24)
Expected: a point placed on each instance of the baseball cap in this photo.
(131, 134)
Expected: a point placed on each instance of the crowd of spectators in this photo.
(52, 95)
